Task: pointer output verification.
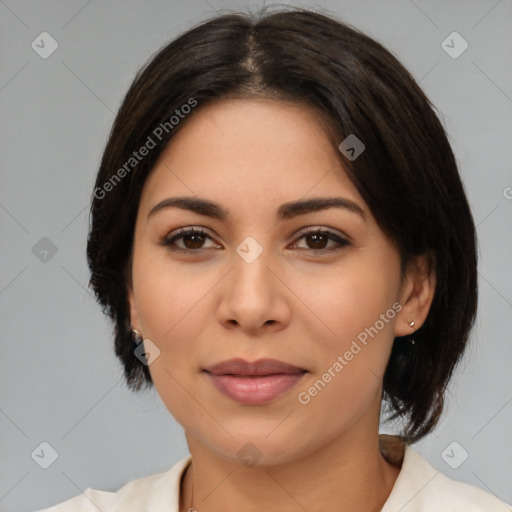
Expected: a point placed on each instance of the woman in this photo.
(282, 240)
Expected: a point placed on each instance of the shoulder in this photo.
(147, 493)
(421, 488)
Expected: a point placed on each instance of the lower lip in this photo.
(255, 390)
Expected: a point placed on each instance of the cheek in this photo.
(349, 300)
(349, 364)
(172, 316)
(353, 339)
(174, 307)
(167, 296)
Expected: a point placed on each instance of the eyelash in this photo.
(169, 242)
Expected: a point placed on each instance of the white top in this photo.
(418, 488)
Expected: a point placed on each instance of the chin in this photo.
(250, 447)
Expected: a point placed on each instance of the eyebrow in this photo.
(284, 212)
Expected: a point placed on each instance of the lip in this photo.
(254, 383)
(260, 367)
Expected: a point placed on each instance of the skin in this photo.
(203, 307)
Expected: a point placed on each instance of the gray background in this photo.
(60, 381)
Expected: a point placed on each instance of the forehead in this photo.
(257, 151)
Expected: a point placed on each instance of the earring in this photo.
(412, 323)
(138, 336)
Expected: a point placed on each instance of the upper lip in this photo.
(260, 367)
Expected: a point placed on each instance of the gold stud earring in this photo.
(412, 323)
(138, 336)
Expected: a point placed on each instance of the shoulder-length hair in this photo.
(407, 174)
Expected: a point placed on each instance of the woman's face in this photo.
(254, 285)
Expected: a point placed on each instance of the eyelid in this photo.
(341, 240)
(167, 240)
(323, 229)
(333, 235)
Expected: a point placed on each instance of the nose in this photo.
(254, 299)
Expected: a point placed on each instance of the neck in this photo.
(348, 474)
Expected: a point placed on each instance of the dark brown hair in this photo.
(407, 173)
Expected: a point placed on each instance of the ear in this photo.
(416, 294)
(134, 315)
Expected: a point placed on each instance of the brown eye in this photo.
(193, 241)
(187, 240)
(317, 241)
